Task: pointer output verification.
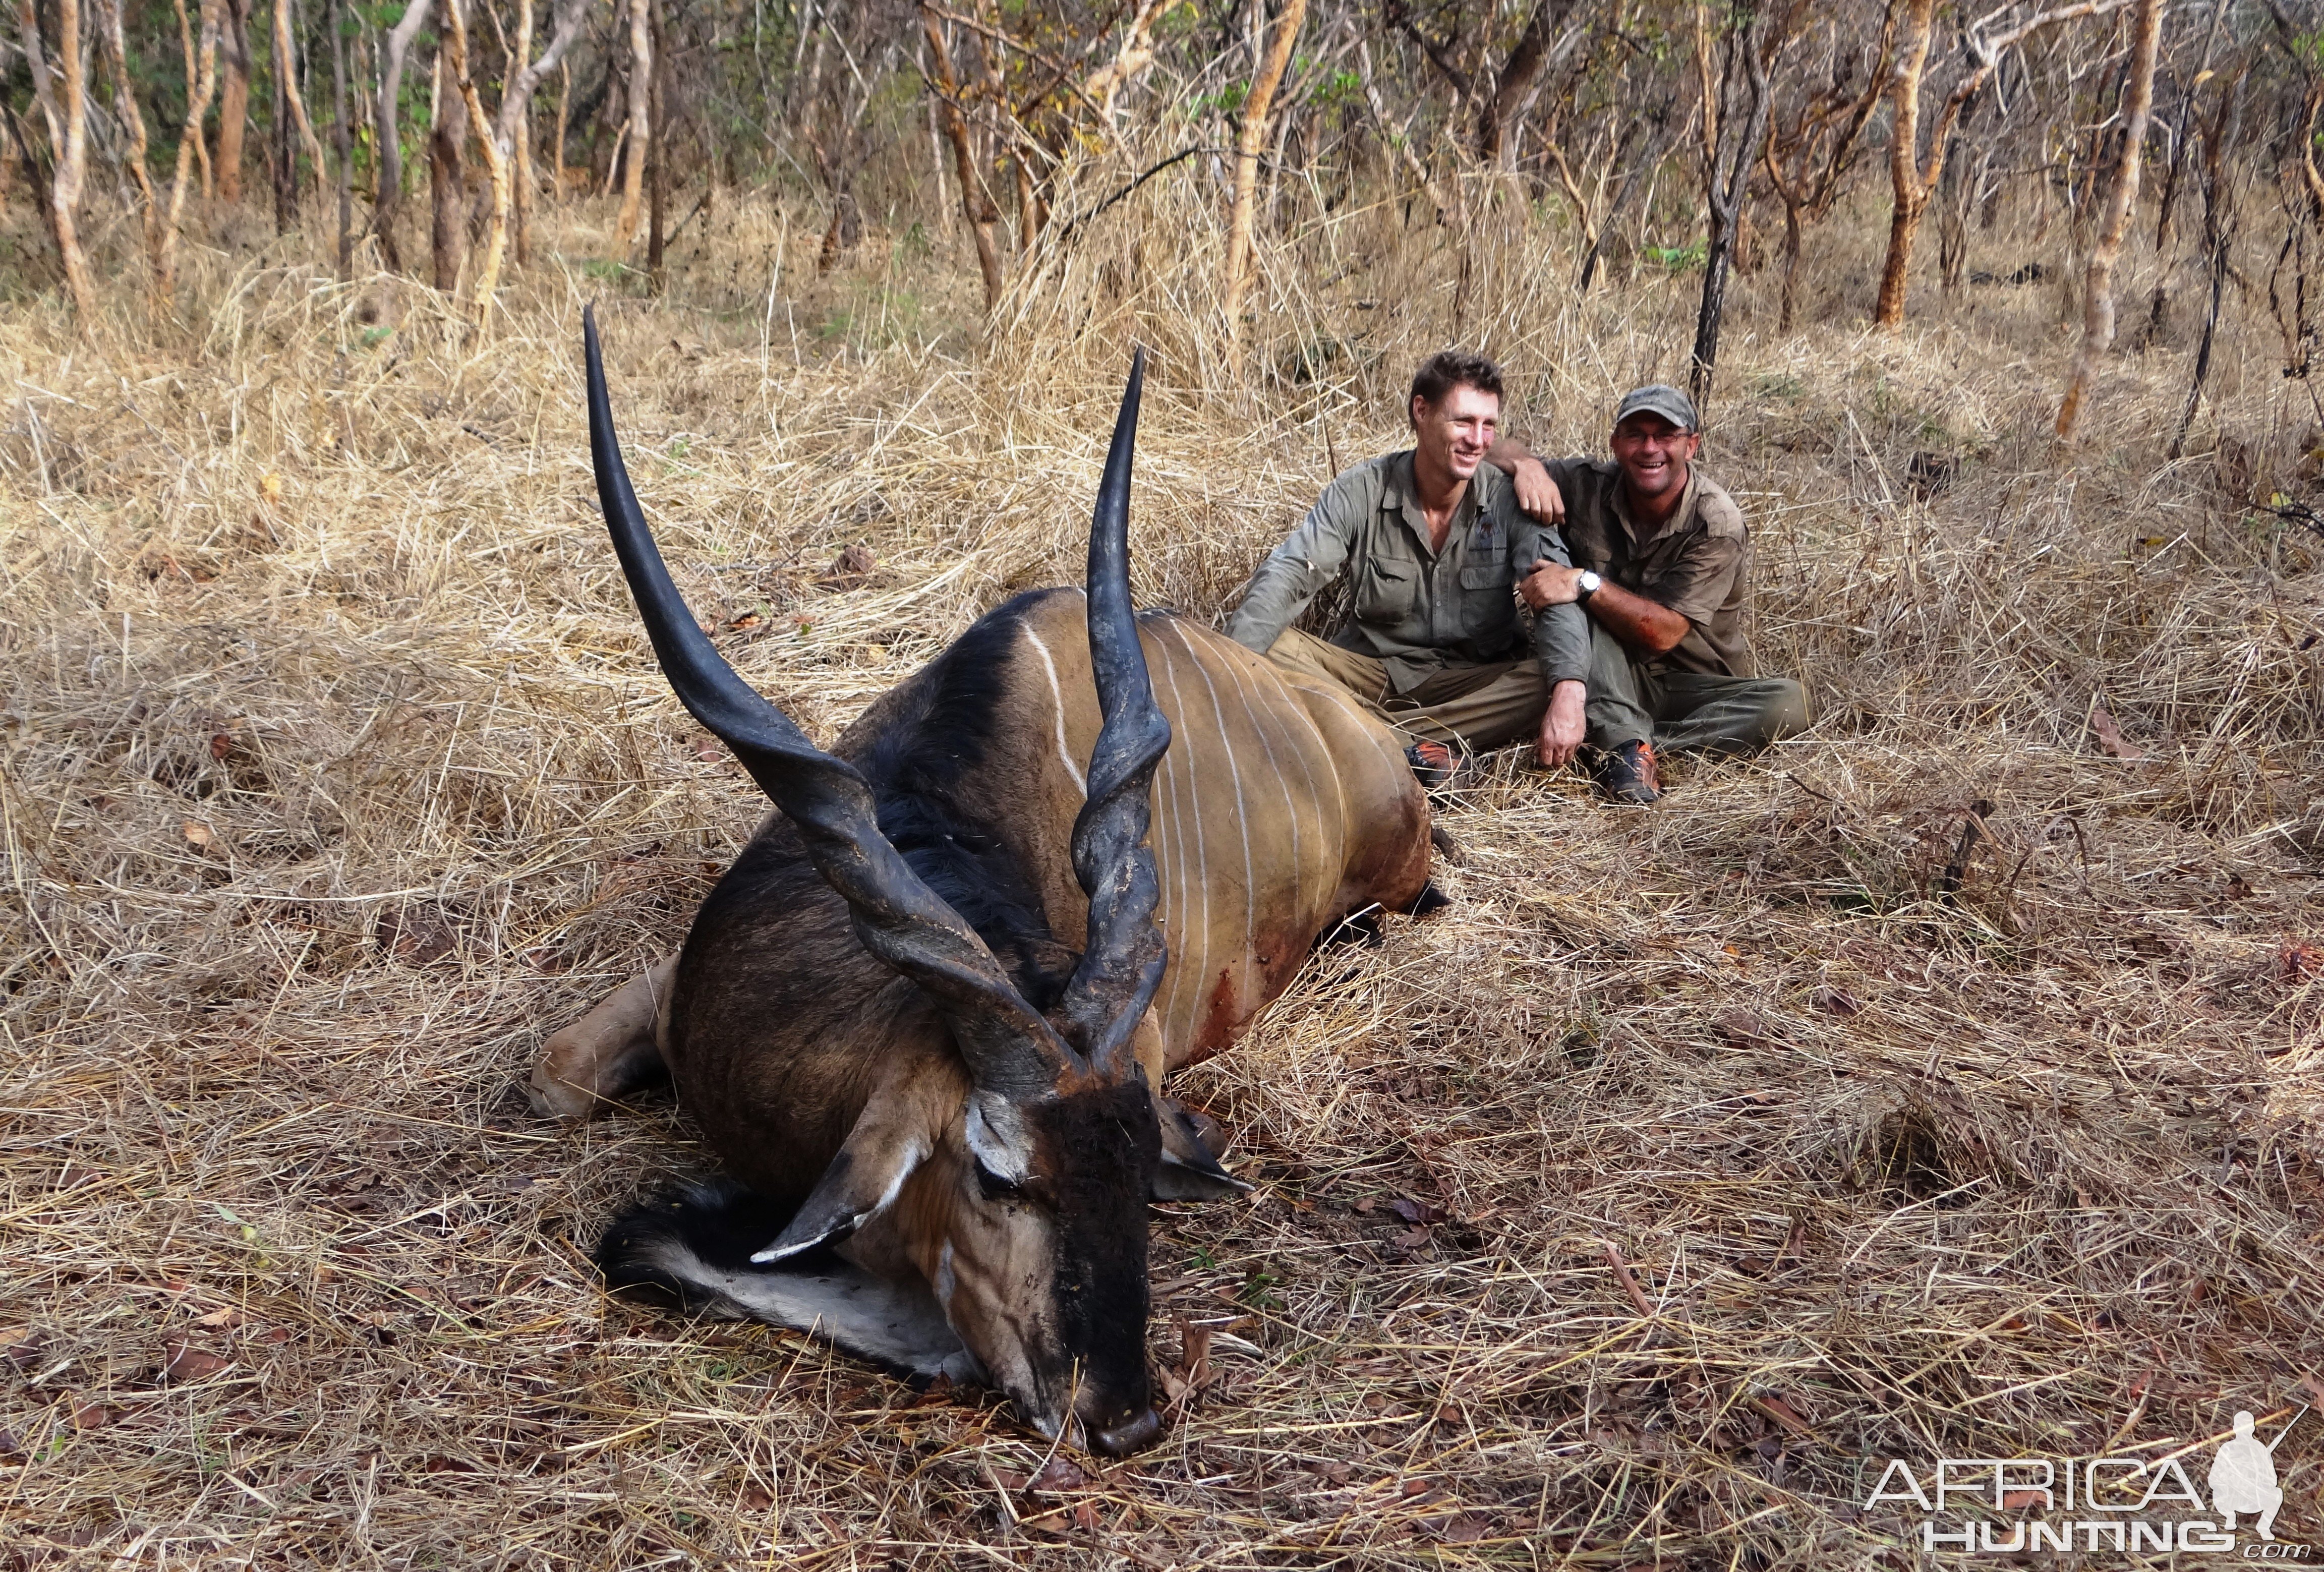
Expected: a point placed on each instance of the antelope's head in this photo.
(1016, 1184)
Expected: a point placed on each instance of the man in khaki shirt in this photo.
(1661, 566)
(1435, 543)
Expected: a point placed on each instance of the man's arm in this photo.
(1294, 571)
(1561, 642)
(1648, 626)
(1536, 488)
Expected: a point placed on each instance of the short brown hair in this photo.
(1447, 369)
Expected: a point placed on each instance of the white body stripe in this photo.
(1058, 707)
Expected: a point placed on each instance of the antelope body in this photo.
(944, 1118)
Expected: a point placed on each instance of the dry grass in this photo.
(338, 773)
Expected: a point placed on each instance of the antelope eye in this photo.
(993, 1183)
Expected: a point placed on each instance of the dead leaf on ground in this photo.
(1192, 1370)
(2111, 742)
(1082, 1516)
(181, 1362)
(24, 1345)
(1060, 1475)
(1418, 1213)
(853, 567)
(1835, 1002)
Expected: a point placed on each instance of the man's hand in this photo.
(1550, 584)
(1537, 493)
(1563, 724)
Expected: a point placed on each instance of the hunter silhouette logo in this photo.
(1986, 1506)
(2243, 1476)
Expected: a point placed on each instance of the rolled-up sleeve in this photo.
(1296, 571)
(1561, 633)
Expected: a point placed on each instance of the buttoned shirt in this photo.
(1417, 608)
(1698, 563)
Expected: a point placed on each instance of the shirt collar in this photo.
(1399, 493)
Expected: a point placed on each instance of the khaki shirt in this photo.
(1698, 564)
(1417, 610)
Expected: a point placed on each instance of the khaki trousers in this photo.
(1482, 706)
(1678, 710)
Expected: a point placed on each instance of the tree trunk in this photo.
(1263, 84)
(68, 135)
(564, 118)
(2098, 293)
(1956, 192)
(2159, 306)
(1792, 237)
(1105, 85)
(387, 199)
(517, 148)
(133, 120)
(2218, 241)
(513, 127)
(343, 140)
(1727, 182)
(496, 167)
(1915, 181)
(282, 154)
(975, 205)
(286, 71)
(193, 75)
(657, 161)
(1666, 126)
(1910, 196)
(625, 224)
(1496, 110)
(190, 142)
(448, 173)
(233, 102)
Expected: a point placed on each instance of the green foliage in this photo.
(1678, 258)
(1228, 100)
(1339, 87)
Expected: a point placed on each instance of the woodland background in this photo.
(1945, 1082)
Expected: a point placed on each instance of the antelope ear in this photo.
(1188, 1172)
(888, 1141)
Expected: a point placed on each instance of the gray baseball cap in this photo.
(1659, 398)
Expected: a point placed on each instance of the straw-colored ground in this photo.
(337, 773)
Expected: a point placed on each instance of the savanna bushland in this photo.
(1944, 1084)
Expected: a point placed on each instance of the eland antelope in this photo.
(942, 1117)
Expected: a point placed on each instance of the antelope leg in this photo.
(588, 1067)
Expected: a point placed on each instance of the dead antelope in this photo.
(944, 1116)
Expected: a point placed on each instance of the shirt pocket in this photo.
(1390, 594)
(1486, 571)
(1487, 610)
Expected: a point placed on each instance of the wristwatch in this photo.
(1588, 585)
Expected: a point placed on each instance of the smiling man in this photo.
(1661, 564)
(1435, 543)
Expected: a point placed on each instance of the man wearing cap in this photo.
(1661, 564)
(1434, 542)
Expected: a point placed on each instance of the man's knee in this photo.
(1784, 710)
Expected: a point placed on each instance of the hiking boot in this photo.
(1434, 765)
(1626, 774)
